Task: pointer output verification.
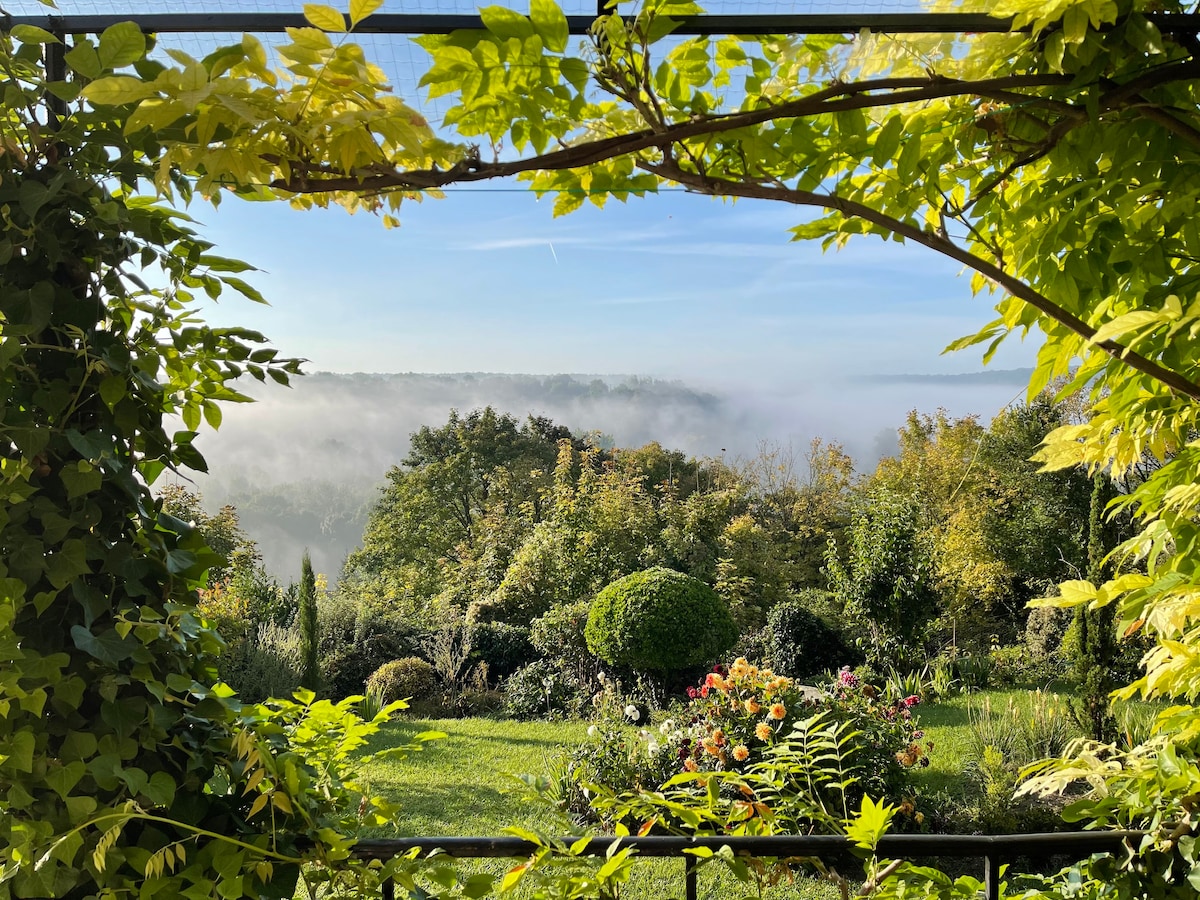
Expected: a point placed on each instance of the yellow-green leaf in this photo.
(324, 17)
(360, 9)
(550, 23)
(116, 89)
(1121, 325)
(121, 45)
(31, 34)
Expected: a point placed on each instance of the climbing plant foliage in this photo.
(125, 769)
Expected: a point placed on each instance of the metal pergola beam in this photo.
(418, 23)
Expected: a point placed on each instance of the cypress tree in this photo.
(1095, 647)
(310, 669)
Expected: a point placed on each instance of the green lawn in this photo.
(460, 785)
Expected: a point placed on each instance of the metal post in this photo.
(689, 877)
(991, 876)
(389, 889)
(55, 55)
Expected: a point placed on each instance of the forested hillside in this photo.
(303, 465)
(494, 534)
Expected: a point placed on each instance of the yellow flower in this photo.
(690, 765)
(753, 706)
(777, 711)
(762, 731)
(741, 752)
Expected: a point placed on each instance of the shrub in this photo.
(402, 679)
(264, 663)
(802, 644)
(504, 648)
(542, 690)
(659, 621)
(1044, 631)
(355, 640)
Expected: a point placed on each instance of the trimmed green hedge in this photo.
(659, 621)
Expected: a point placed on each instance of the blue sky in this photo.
(673, 285)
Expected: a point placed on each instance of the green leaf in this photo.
(550, 23)
(887, 140)
(82, 58)
(108, 646)
(360, 9)
(121, 45)
(324, 17)
(31, 34)
(112, 390)
(81, 478)
(115, 90)
(160, 789)
(245, 289)
(1122, 325)
(18, 750)
(478, 886)
(504, 23)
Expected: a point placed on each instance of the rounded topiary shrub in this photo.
(659, 621)
(403, 679)
(801, 644)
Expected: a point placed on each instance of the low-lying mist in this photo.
(303, 464)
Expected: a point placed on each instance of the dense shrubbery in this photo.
(542, 690)
(801, 643)
(410, 678)
(659, 621)
(356, 638)
(503, 648)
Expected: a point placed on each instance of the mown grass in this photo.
(463, 784)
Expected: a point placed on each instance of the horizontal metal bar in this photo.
(892, 845)
(418, 23)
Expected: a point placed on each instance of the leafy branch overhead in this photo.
(899, 136)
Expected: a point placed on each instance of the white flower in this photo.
(632, 713)
(591, 731)
(652, 748)
(666, 726)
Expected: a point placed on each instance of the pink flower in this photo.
(691, 692)
(912, 700)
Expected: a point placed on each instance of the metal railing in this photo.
(993, 849)
(441, 23)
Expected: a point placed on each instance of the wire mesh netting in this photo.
(451, 7)
(402, 61)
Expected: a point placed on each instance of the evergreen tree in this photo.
(1094, 651)
(310, 673)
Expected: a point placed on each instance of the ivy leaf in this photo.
(160, 789)
(17, 752)
(324, 17)
(108, 646)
